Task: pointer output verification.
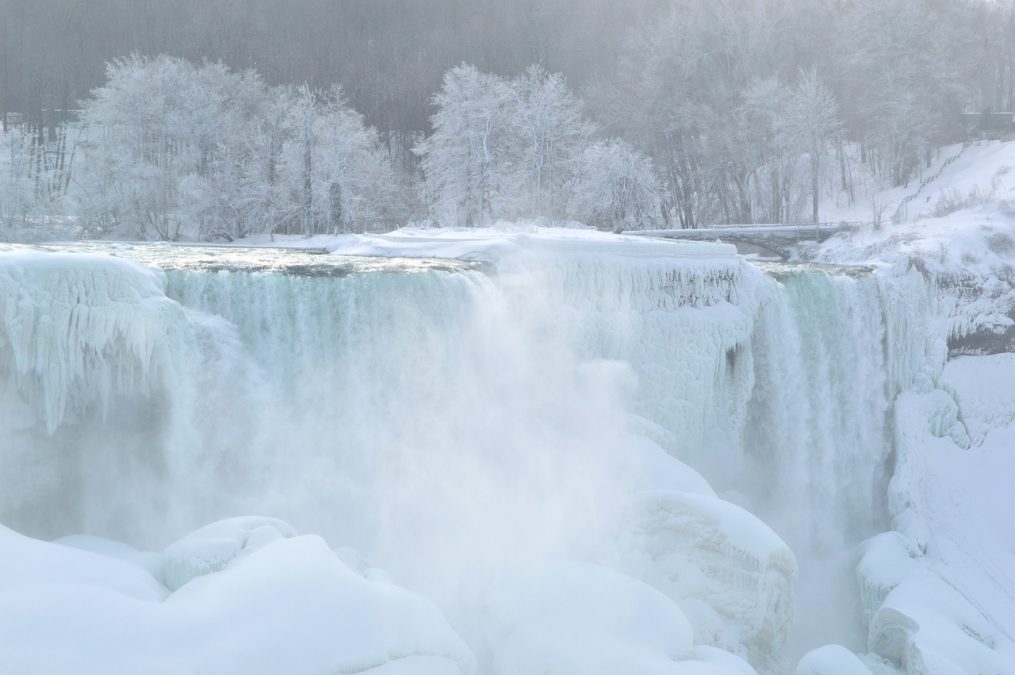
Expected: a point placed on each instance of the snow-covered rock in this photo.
(831, 660)
(213, 547)
(287, 606)
(730, 572)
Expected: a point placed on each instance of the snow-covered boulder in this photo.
(886, 561)
(581, 619)
(213, 547)
(927, 627)
(286, 605)
(727, 570)
(831, 660)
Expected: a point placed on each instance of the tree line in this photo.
(219, 118)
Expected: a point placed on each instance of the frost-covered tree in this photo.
(548, 132)
(503, 149)
(921, 59)
(234, 176)
(151, 133)
(36, 164)
(615, 188)
(16, 199)
(464, 159)
(180, 151)
(810, 124)
(331, 164)
(770, 155)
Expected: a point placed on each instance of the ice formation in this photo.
(513, 442)
(78, 330)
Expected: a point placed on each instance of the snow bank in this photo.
(290, 606)
(213, 547)
(945, 576)
(960, 178)
(579, 619)
(831, 660)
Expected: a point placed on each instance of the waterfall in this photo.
(457, 425)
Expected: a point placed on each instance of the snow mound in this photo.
(831, 660)
(213, 547)
(582, 619)
(888, 558)
(30, 566)
(926, 626)
(288, 606)
(148, 561)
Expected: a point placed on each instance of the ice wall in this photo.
(85, 358)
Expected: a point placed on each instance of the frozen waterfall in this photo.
(671, 426)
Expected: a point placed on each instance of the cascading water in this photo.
(817, 444)
(462, 428)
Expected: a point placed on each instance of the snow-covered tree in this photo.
(772, 161)
(150, 131)
(16, 198)
(810, 123)
(503, 148)
(547, 134)
(175, 150)
(615, 187)
(463, 160)
(331, 164)
(36, 163)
